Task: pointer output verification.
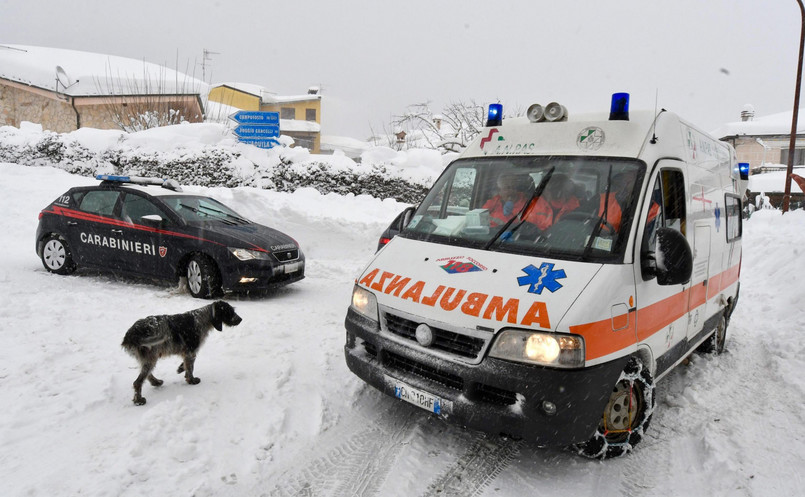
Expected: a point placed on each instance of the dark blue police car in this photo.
(149, 227)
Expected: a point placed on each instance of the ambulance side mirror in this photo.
(671, 262)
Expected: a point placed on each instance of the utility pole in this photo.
(792, 143)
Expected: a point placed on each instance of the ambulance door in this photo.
(700, 279)
(662, 310)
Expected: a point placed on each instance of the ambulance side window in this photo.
(666, 205)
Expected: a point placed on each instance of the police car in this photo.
(150, 227)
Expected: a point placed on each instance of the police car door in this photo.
(662, 309)
(144, 250)
(92, 233)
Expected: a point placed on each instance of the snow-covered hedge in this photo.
(208, 155)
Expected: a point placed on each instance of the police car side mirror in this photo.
(405, 217)
(672, 261)
(153, 220)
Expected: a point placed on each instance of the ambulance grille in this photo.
(448, 341)
(400, 363)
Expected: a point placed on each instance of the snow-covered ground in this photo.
(278, 413)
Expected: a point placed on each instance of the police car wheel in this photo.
(715, 343)
(203, 279)
(56, 255)
(626, 416)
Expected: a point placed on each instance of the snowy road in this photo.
(277, 412)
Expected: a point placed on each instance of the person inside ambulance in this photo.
(508, 202)
(557, 200)
(613, 203)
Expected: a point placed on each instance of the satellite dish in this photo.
(62, 78)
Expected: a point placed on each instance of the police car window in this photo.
(134, 207)
(99, 202)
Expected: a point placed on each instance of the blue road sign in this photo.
(255, 117)
(250, 130)
(261, 142)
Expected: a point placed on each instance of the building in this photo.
(764, 142)
(64, 90)
(300, 116)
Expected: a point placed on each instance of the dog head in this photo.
(224, 314)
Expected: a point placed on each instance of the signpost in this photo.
(260, 129)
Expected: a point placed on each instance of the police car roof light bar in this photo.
(495, 116)
(140, 180)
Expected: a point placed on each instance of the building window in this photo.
(287, 113)
(310, 114)
(799, 155)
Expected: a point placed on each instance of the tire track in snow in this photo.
(357, 466)
(476, 468)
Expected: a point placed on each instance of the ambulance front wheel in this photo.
(715, 343)
(56, 255)
(626, 416)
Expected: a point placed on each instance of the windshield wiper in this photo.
(536, 194)
(601, 219)
(231, 216)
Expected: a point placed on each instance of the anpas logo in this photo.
(488, 138)
(540, 278)
(591, 138)
(455, 265)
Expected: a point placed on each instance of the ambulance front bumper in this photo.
(495, 396)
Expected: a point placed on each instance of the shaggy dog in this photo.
(179, 334)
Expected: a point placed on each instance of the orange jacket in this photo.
(495, 206)
(544, 213)
(614, 212)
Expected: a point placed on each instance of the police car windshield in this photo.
(193, 209)
(576, 208)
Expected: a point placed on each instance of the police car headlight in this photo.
(364, 302)
(547, 349)
(249, 255)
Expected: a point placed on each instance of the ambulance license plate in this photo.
(418, 397)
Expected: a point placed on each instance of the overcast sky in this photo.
(705, 59)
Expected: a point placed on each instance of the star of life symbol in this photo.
(539, 278)
(590, 138)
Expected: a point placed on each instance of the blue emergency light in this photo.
(743, 169)
(495, 116)
(619, 110)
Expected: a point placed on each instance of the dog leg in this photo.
(180, 369)
(145, 372)
(154, 380)
(189, 361)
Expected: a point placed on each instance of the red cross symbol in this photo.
(703, 200)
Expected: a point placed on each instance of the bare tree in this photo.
(451, 131)
(137, 103)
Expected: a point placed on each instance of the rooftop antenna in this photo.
(654, 124)
(206, 57)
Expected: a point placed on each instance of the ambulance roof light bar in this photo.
(619, 109)
(170, 184)
(495, 116)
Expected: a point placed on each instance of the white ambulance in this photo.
(554, 272)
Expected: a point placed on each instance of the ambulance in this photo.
(553, 274)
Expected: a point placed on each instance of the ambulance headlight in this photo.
(364, 302)
(547, 349)
(249, 255)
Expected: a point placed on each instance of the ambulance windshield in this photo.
(577, 208)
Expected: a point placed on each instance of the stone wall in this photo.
(21, 103)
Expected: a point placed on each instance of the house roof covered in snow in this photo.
(774, 124)
(76, 73)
